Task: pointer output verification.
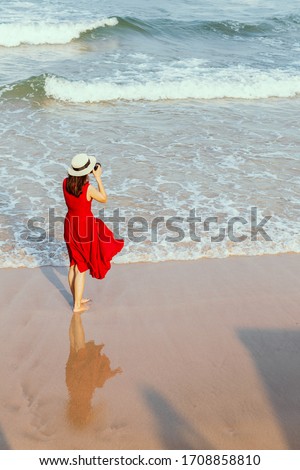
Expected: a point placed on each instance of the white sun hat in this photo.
(82, 164)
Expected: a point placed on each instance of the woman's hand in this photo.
(100, 194)
(98, 172)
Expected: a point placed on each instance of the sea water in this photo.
(192, 107)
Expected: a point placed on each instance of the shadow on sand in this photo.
(277, 358)
(51, 273)
(3, 442)
(174, 430)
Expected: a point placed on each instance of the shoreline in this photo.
(175, 355)
(113, 263)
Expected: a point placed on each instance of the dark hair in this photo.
(75, 183)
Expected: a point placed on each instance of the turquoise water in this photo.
(189, 106)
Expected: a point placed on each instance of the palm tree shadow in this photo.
(3, 442)
(50, 272)
(174, 430)
(277, 355)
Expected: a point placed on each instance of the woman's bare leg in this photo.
(71, 278)
(79, 282)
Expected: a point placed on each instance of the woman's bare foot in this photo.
(85, 301)
(81, 308)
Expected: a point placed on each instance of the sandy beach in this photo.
(175, 355)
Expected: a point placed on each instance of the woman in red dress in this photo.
(90, 243)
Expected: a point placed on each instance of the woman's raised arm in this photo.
(97, 194)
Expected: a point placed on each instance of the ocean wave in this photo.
(32, 88)
(225, 27)
(15, 34)
(161, 27)
(213, 84)
(39, 33)
(198, 83)
(266, 26)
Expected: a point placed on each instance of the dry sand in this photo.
(208, 351)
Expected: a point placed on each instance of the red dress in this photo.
(90, 243)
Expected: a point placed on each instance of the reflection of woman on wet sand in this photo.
(87, 369)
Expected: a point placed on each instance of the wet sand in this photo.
(176, 355)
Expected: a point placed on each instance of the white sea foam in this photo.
(236, 82)
(30, 258)
(15, 34)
